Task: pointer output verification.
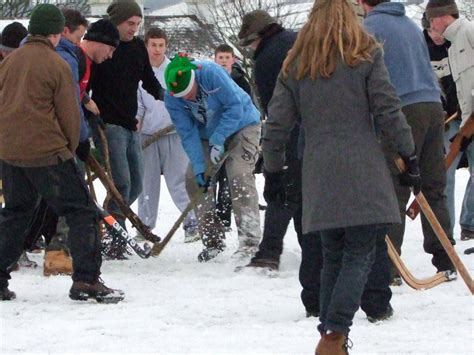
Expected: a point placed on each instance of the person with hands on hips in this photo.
(213, 116)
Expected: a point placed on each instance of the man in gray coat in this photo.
(418, 90)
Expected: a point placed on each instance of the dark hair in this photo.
(74, 19)
(155, 32)
(224, 48)
(375, 2)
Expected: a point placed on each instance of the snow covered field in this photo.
(175, 305)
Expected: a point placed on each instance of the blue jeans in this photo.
(126, 165)
(348, 254)
(467, 212)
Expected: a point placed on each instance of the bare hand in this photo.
(92, 107)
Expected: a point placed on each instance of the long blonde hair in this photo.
(332, 31)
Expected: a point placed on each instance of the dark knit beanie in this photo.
(103, 31)
(121, 10)
(46, 19)
(12, 36)
(437, 8)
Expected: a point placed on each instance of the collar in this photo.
(451, 31)
(39, 39)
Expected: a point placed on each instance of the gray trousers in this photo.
(165, 156)
(242, 149)
(427, 124)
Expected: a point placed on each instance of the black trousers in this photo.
(64, 191)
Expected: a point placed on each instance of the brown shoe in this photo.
(57, 262)
(83, 291)
(332, 344)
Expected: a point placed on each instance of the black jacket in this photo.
(269, 58)
(114, 83)
(440, 63)
(239, 78)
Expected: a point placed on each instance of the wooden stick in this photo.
(440, 233)
(157, 135)
(126, 210)
(454, 149)
(407, 276)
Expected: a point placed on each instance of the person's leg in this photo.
(224, 201)
(63, 189)
(148, 201)
(174, 162)
(135, 164)
(21, 200)
(343, 283)
(453, 128)
(433, 175)
(467, 212)
(375, 300)
(242, 155)
(118, 141)
(210, 227)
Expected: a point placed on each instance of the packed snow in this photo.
(176, 305)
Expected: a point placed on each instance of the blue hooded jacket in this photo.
(66, 50)
(228, 109)
(406, 53)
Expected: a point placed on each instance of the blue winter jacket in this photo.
(228, 109)
(406, 53)
(66, 50)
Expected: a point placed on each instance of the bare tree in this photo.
(22, 8)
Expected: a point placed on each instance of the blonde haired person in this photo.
(335, 84)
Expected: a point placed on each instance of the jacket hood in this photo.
(388, 8)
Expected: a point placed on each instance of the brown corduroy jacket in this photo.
(39, 112)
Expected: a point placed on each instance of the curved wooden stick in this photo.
(441, 234)
(407, 276)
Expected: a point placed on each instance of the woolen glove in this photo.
(83, 149)
(274, 189)
(411, 176)
(202, 182)
(216, 152)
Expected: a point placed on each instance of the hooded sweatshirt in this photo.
(406, 53)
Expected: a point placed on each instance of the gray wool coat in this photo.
(346, 181)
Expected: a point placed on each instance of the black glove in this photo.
(411, 176)
(83, 150)
(275, 189)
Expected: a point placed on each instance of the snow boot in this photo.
(270, 264)
(6, 294)
(24, 261)
(191, 234)
(57, 262)
(333, 344)
(467, 234)
(381, 317)
(312, 313)
(83, 291)
(210, 253)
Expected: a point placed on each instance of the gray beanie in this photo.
(121, 10)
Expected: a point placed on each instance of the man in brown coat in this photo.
(39, 132)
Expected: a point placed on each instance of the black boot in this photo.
(83, 291)
(381, 317)
(6, 294)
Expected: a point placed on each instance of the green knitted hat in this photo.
(46, 19)
(179, 75)
(121, 10)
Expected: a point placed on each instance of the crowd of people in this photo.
(339, 101)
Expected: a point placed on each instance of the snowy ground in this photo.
(175, 305)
